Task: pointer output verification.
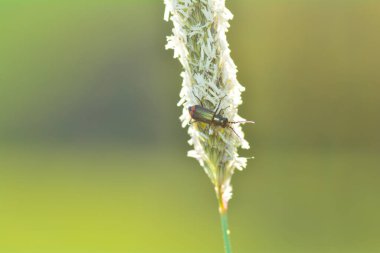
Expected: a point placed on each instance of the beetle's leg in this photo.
(234, 132)
(192, 122)
(223, 109)
(200, 101)
(217, 108)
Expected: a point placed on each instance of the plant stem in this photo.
(225, 231)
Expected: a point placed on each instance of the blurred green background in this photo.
(93, 158)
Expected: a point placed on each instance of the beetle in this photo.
(201, 114)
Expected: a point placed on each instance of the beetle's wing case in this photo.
(202, 114)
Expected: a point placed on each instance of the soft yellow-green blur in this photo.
(93, 158)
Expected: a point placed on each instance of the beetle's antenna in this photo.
(243, 122)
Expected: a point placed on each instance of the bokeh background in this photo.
(93, 158)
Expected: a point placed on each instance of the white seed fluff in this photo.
(199, 42)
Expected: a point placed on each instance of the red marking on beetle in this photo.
(192, 110)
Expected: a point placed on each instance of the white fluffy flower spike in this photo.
(199, 42)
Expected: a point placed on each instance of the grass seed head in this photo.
(199, 42)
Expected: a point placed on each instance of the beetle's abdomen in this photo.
(200, 113)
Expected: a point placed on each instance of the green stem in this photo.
(225, 231)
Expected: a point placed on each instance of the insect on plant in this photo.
(213, 118)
